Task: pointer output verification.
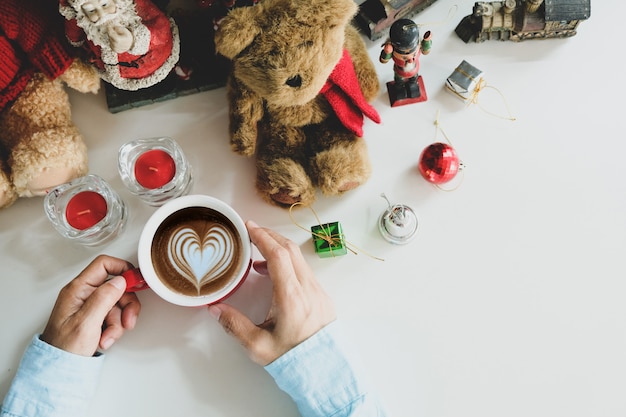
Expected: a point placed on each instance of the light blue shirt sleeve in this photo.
(321, 375)
(52, 383)
(324, 379)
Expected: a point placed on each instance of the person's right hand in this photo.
(299, 307)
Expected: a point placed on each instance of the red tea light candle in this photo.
(154, 169)
(85, 209)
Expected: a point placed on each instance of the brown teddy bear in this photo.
(298, 92)
(40, 147)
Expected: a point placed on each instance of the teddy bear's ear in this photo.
(331, 13)
(237, 30)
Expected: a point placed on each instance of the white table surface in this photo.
(510, 301)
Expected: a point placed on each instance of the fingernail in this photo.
(215, 312)
(118, 282)
(107, 343)
(132, 321)
(252, 224)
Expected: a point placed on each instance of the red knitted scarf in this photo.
(343, 92)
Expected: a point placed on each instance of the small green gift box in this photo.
(329, 240)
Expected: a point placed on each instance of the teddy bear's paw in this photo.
(284, 198)
(242, 147)
(339, 187)
(342, 168)
(46, 179)
(285, 182)
(7, 191)
(82, 77)
(348, 185)
(48, 158)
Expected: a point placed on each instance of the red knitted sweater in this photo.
(32, 39)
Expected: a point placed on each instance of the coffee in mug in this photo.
(194, 250)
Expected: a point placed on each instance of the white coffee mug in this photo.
(194, 255)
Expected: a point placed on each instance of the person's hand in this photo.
(299, 306)
(121, 38)
(93, 311)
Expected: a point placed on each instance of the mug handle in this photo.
(134, 280)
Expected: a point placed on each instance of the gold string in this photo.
(439, 128)
(480, 87)
(473, 99)
(332, 240)
(461, 165)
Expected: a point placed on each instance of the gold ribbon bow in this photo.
(480, 86)
(331, 239)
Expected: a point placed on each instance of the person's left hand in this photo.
(93, 311)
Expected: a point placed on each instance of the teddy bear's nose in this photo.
(295, 81)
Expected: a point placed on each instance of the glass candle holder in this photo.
(154, 169)
(86, 210)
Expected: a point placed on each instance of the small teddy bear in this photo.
(299, 88)
(40, 147)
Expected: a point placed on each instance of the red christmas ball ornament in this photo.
(439, 163)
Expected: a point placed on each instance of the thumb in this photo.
(103, 299)
(235, 323)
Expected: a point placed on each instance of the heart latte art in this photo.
(196, 251)
(201, 259)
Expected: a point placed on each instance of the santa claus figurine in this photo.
(132, 43)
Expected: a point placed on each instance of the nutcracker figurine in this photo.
(405, 48)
